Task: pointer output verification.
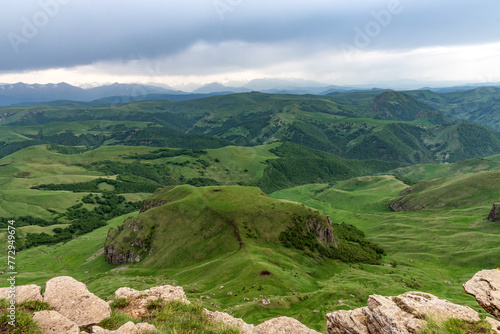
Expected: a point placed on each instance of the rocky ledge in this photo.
(485, 287)
(73, 306)
(401, 314)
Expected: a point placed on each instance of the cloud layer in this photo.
(320, 39)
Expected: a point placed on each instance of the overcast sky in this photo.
(361, 42)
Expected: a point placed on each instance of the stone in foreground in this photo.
(228, 320)
(128, 328)
(485, 287)
(403, 314)
(140, 299)
(54, 322)
(283, 325)
(23, 293)
(495, 324)
(72, 299)
(164, 292)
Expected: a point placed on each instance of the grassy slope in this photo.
(239, 271)
(479, 105)
(37, 165)
(465, 191)
(430, 247)
(17, 133)
(198, 224)
(434, 171)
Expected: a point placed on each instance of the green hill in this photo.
(183, 225)
(465, 191)
(403, 107)
(428, 172)
(391, 126)
(479, 105)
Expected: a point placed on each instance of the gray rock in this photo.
(283, 325)
(128, 328)
(485, 287)
(228, 320)
(23, 293)
(72, 299)
(140, 299)
(493, 215)
(495, 324)
(54, 322)
(403, 314)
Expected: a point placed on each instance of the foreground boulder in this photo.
(485, 287)
(228, 320)
(495, 324)
(23, 293)
(72, 299)
(128, 328)
(403, 314)
(283, 325)
(140, 299)
(165, 292)
(54, 322)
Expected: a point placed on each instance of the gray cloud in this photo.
(64, 33)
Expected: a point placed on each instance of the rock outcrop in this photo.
(140, 299)
(494, 215)
(164, 292)
(74, 306)
(228, 320)
(495, 324)
(23, 293)
(128, 328)
(283, 325)
(323, 233)
(72, 299)
(115, 257)
(54, 322)
(485, 287)
(403, 314)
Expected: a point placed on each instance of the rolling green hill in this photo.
(431, 250)
(388, 125)
(465, 191)
(428, 172)
(399, 106)
(45, 180)
(183, 225)
(480, 105)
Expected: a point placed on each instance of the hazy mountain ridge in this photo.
(32, 93)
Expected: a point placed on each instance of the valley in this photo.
(239, 191)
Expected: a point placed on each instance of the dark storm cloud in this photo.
(64, 33)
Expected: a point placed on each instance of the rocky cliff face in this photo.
(494, 215)
(323, 233)
(116, 257)
(485, 287)
(137, 242)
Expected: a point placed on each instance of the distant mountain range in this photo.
(29, 93)
(22, 93)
